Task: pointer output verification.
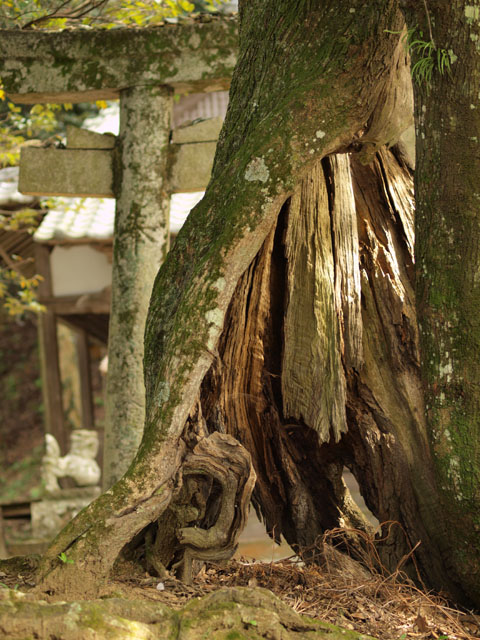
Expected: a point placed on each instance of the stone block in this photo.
(190, 166)
(80, 65)
(78, 138)
(201, 131)
(66, 172)
(51, 514)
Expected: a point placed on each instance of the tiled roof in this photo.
(10, 197)
(74, 219)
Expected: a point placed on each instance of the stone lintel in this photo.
(66, 172)
(79, 65)
(89, 173)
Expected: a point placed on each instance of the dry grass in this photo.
(367, 598)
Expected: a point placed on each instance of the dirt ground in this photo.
(338, 591)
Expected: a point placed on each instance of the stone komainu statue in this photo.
(79, 463)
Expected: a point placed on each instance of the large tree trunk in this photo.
(448, 283)
(284, 317)
(318, 364)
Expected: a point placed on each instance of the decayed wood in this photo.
(393, 113)
(299, 489)
(313, 383)
(386, 444)
(225, 460)
(347, 261)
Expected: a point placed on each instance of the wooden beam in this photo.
(74, 305)
(41, 66)
(49, 358)
(3, 548)
(85, 380)
(16, 510)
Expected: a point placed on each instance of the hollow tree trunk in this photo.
(284, 316)
(318, 364)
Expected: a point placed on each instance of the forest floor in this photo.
(336, 591)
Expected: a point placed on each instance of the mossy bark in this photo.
(447, 265)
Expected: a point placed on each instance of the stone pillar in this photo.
(140, 244)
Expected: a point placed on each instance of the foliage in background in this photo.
(21, 410)
(55, 14)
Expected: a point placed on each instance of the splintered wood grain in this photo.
(313, 383)
(347, 265)
(398, 185)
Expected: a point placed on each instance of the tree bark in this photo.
(448, 284)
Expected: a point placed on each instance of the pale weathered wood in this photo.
(49, 356)
(347, 262)
(242, 396)
(393, 113)
(313, 383)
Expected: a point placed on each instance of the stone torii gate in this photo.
(144, 68)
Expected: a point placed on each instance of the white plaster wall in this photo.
(79, 269)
